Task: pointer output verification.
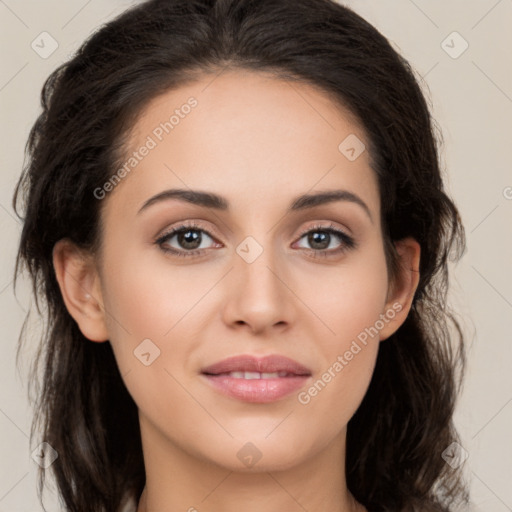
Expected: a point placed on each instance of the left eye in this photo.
(320, 238)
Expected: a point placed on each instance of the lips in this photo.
(250, 365)
(257, 380)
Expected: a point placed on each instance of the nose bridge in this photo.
(258, 295)
(255, 266)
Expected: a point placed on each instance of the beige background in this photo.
(472, 101)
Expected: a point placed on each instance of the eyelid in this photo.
(190, 224)
(323, 227)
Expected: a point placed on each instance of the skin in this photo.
(259, 142)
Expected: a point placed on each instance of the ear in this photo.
(80, 287)
(402, 289)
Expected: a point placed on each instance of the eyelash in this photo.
(347, 241)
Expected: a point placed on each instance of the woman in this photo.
(236, 217)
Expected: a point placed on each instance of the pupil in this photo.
(189, 239)
(319, 237)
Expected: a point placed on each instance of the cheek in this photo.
(348, 358)
(350, 304)
(148, 299)
(149, 315)
(348, 299)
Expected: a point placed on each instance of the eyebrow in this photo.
(210, 200)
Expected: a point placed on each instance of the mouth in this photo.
(257, 380)
(254, 375)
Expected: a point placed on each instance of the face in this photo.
(261, 271)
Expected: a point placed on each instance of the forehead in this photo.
(246, 135)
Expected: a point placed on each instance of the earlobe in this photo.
(79, 285)
(402, 290)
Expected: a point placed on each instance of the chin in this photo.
(257, 454)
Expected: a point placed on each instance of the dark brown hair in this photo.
(396, 437)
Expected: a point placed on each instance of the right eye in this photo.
(189, 238)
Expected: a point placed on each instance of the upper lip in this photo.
(249, 363)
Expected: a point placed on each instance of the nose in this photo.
(259, 295)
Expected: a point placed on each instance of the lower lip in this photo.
(256, 390)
